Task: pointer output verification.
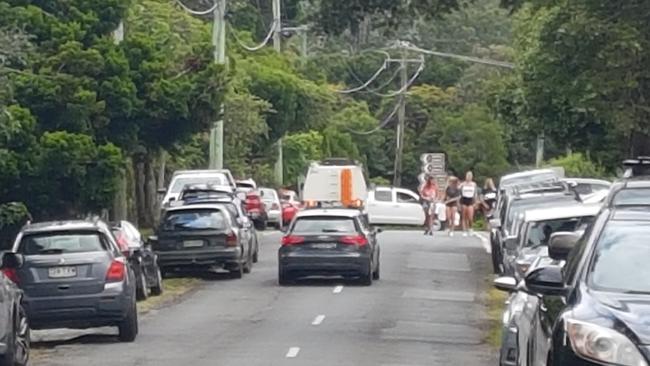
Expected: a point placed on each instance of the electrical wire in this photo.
(367, 83)
(503, 64)
(406, 86)
(373, 90)
(259, 46)
(198, 12)
(383, 124)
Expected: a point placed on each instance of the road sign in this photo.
(432, 169)
(433, 158)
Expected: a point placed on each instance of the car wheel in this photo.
(18, 342)
(142, 290)
(366, 278)
(128, 328)
(256, 256)
(238, 271)
(157, 288)
(248, 267)
(376, 273)
(283, 278)
(278, 226)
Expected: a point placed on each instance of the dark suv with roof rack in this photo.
(634, 188)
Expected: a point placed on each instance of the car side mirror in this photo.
(547, 281)
(12, 260)
(507, 284)
(561, 244)
(511, 242)
(495, 223)
(379, 230)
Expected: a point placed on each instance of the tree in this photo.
(577, 165)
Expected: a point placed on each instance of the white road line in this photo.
(293, 352)
(338, 289)
(485, 241)
(318, 320)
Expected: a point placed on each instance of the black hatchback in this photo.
(329, 242)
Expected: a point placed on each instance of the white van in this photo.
(335, 181)
(181, 178)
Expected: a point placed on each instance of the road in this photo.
(426, 310)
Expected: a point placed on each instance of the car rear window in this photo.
(180, 183)
(636, 196)
(324, 224)
(200, 219)
(61, 243)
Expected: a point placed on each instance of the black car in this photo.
(634, 188)
(596, 309)
(141, 258)
(202, 236)
(515, 201)
(75, 276)
(329, 242)
(14, 324)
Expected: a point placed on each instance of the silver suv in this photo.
(74, 276)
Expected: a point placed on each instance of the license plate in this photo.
(62, 272)
(324, 246)
(193, 243)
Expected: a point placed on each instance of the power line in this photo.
(406, 86)
(411, 47)
(373, 90)
(256, 47)
(383, 124)
(367, 83)
(198, 12)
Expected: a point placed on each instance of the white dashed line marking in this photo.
(318, 320)
(485, 241)
(338, 289)
(293, 352)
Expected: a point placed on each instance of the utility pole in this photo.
(219, 44)
(401, 116)
(539, 156)
(277, 24)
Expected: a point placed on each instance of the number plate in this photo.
(62, 272)
(324, 246)
(193, 243)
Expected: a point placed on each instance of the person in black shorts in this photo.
(468, 193)
(452, 196)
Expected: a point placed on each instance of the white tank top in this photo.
(468, 190)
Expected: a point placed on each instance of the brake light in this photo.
(359, 240)
(231, 240)
(116, 271)
(292, 240)
(11, 274)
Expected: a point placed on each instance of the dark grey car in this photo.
(14, 325)
(74, 276)
(329, 242)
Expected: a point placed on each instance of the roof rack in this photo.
(338, 162)
(637, 167)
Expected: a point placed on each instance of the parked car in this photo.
(289, 196)
(537, 226)
(329, 242)
(202, 236)
(394, 206)
(289, 211)
(141, 258)
(246, 185)
(256, 210)
(198, 192)
(272, 205)
(594, 311)
(634, 188)
(515, 201)
(246, 228)
(182, 178)
(14, 324)
(74, 276)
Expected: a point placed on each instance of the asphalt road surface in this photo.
(426, 310)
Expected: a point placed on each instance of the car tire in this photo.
(376, 274)
(128, 328)
(248, 266)
(157, 288)
(238, 271)
(18, 342)
(366, 278)
(256, 256)
(142, 289)
(278, 226)
(283, 278)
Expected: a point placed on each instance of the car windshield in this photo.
(203, 219)
(539, 232)
(621, 260)
(268, 194)
(631, 197)
(518, 208)
(324, 224)
(61, 243)
(216, 180)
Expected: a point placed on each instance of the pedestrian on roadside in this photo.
(489, 197)
(452, 198)
(428, 194)
(468, 192)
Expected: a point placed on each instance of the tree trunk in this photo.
(120, 202)
(149, 191)
(140, 196)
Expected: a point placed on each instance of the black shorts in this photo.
(467, 201)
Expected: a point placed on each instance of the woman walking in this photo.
(468, 194)
(452, 197)
(489, 195)
(428, 194)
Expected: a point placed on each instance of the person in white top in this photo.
(468, 195)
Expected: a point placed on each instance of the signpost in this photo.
(434, 165)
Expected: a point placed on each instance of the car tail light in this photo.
(359, 240)
(116, 271)
(11, 274)
(292, 240)
(231, 240)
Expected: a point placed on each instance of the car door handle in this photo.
(64, 287)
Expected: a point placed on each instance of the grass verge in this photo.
(495, 306)
(174, 290)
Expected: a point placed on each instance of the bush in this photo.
(576, 165)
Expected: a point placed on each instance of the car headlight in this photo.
(601, 344)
